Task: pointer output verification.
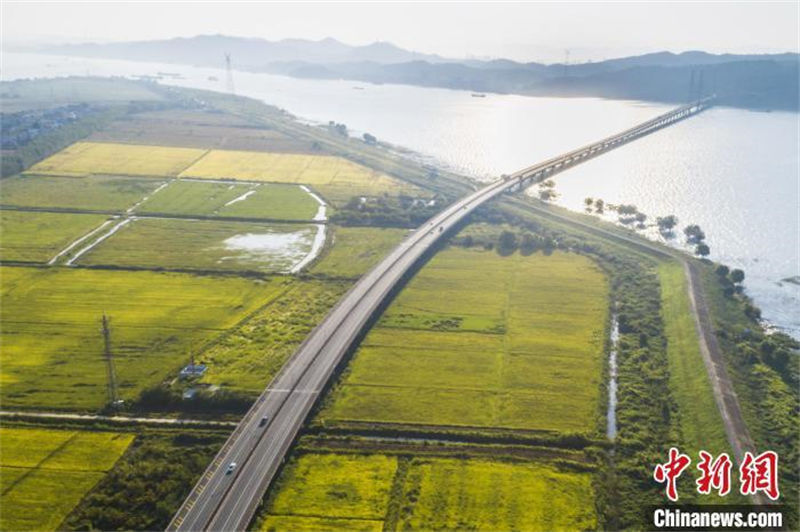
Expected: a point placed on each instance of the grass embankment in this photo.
(45, 473)
(700, 422)
(267, 201)
(204, 245)
(52, 355)
(380, 492)
(765, 371)
(354, 250)
(480, 340)
(106, 193)
(37, 237)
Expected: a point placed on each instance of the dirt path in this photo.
(724, 394)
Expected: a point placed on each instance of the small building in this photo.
(193, 370)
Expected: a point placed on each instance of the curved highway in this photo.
(226, 497)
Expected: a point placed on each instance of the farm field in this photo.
(700, 421)
(98, 192)
(356, 249)
(38, 236)
(52, 342)
(198, 129)
(354, 492)
(204, 245)
(91, 158)
(324, 172)
(521, 348)
(268, 201)
(249, 356)
(47, 472)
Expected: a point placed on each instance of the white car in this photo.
(230, 469)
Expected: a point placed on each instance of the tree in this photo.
(722, 270)
(599, 205)
(702, 250)
(737, 275)
(370, 139)
(507, 243)
(694, 235)
(666, 223)
(627, 209)
(588, 202)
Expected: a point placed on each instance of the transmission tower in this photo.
(229, 74)
(113, 395)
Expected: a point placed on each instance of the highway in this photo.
(223, 500)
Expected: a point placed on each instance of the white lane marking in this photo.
(102, 237)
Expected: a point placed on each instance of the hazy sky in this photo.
(522, 31)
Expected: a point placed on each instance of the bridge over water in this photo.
(227, 500)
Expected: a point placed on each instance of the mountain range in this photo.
(767, 81)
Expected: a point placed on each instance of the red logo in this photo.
(760, 473)
(714, 474)
(670, 471)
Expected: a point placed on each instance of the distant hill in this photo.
(752, 81)
(247, 53)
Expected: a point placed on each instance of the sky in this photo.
(530, 31)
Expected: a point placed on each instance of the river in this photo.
(733, 172)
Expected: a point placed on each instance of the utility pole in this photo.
(113, 396)
(229, 74)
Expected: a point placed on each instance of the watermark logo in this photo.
(757, 474)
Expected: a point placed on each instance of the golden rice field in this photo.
(335, 177)
(316, 170)
(44, 473)
(90, 158)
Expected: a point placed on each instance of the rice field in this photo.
(97, 192)
(265, 201)
(356, 249)
(45, 473)
(480, 340)
(52, 356)
(204, 245)
(378, 492)
(37, 237)
(252, 354)
(92, 158)
(321, 171)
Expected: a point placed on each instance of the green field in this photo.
(481, 340)
(700, 422)
(248, 357)
(356, 249)
(455, 494)
(52, 355)
(45, 473)
(278, 202)
(39, 236)
(204, 245)
(355, 492)
(109, 193)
